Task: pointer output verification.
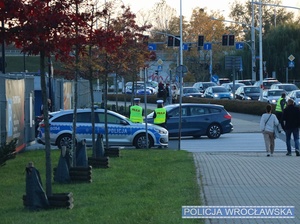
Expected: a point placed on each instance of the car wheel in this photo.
(140, 141)
(214, 131)
(64, 140)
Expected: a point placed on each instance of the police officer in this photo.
(136, 112)
(160, 114)
(280, 105)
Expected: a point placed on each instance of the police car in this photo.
(121, 131)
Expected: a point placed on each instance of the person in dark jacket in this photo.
(291, 117)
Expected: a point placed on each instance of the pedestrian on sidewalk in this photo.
(168, 94)
(268, 123)
(291, 119)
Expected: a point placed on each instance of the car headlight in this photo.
(247, 98)
(273, 101)
(216, 95)
(161, 131)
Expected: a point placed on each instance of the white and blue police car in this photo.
(121, 131)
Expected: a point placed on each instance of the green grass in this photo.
(141, 186)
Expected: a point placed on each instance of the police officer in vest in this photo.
(280, 105)
(160, 114)
(136, 112)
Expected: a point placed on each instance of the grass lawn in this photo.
(141, 186)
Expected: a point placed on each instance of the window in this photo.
(111, 119)
(64, 118)
(198, 111)
(175, 112)
(84, 117)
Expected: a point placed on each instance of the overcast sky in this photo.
(189, 5)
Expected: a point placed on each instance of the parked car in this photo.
(191, 92)
(151, 87)
(217, 92)
(271, 95)
(247, 82)
(247, 93)
(121, 131)
(295, 95)
(288, 87)
(230, 88)
(197, 120)
(202, 86)
(266, 83)
(139, 90)
(223, 80)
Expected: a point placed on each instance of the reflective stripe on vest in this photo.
(136, 114)
(160, 115)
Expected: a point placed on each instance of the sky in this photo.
(223, 6)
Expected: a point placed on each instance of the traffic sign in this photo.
(152, 47)
(215, 78)
(291, 64)
(239, 45)
(207, 46)
(184, 47)
(291, 57)
(233, 62)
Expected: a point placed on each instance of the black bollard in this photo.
(36, 197)
(99, 146)
(62, 171)
(81, 154)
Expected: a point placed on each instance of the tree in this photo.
(43, 28)
(279, 44)
(271, 16)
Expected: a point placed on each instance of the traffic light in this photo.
(200, 40)
(225, 40)
(231, 40)
(177, 41)
(170, 41)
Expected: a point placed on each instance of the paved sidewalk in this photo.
(249, 179)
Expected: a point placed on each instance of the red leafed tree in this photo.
(117, 57)
(114, 46)
(44, 28)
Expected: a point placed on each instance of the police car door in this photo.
(118, 132)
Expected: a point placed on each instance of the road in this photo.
(246, 137)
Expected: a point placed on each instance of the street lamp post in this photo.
(181, 79)
(253, 44)
(260, 48)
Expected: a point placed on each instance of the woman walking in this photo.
(268, 123)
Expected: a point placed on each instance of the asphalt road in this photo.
(246, 137)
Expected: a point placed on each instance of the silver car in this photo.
(271, 95)
(121, 131)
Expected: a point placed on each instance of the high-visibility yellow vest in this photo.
(136, 114)
(278, 106)
(160, 115)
